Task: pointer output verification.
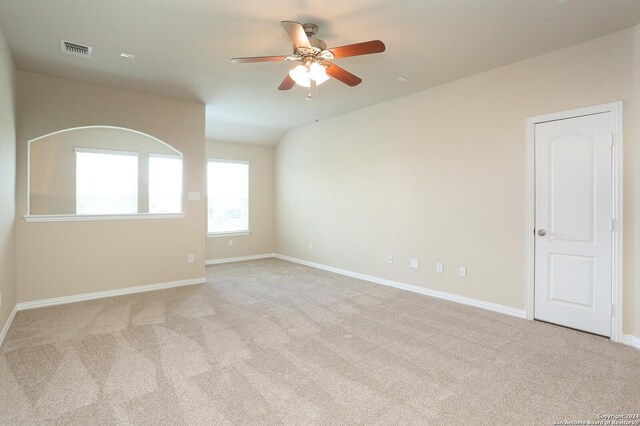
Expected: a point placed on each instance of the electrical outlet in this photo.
(462, 271)
(414, 263)
(191, 259)
(230, 243)
(390, 259)
(310, 246)
(439, 267)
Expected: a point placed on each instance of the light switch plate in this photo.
(194, 196)
(415, 263)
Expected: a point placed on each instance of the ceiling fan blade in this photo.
(287, 83)
(297, 34)
(343, 75)
(259, 59)
(365, 48)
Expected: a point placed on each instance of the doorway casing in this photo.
(615, 109)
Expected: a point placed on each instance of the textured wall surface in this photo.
(440, 175)
(7, 183)
(65, 258)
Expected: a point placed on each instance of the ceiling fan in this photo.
(313, 55)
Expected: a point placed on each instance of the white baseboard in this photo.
(7, 325)
(627, 339)
(108, 293)
(630, 340)
(239, 259)
(520, 313)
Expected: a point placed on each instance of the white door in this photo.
(574, 211)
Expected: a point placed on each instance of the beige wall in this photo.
(65, 258)
(440, 175)
(52, 165)
(7, 184)
(632, 199)
(261, 240)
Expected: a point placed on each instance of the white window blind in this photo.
(228, 196)
(106, 181)
(165, 183)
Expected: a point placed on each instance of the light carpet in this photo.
(271, 342)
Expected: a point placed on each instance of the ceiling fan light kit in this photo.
(303, 74)
(313, 55)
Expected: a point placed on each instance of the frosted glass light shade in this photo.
(302, 77)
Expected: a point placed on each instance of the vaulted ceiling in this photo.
(182, 48)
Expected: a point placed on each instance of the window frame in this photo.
(238, 232)
(171, 156)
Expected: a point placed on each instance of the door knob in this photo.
(542, 232)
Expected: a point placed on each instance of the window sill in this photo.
(94, 217)
(228, 234)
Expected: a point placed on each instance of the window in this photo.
(165, 183)
(106, 181)
(228, 196)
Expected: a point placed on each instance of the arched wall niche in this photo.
(52, 165)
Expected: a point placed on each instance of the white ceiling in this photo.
(183, 48)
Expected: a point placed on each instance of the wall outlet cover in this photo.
(414, 263)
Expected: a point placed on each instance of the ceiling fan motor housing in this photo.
(317, 45)
(310, 29)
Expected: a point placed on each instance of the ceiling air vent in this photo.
(75, 49)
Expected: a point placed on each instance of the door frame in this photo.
(615, 109)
